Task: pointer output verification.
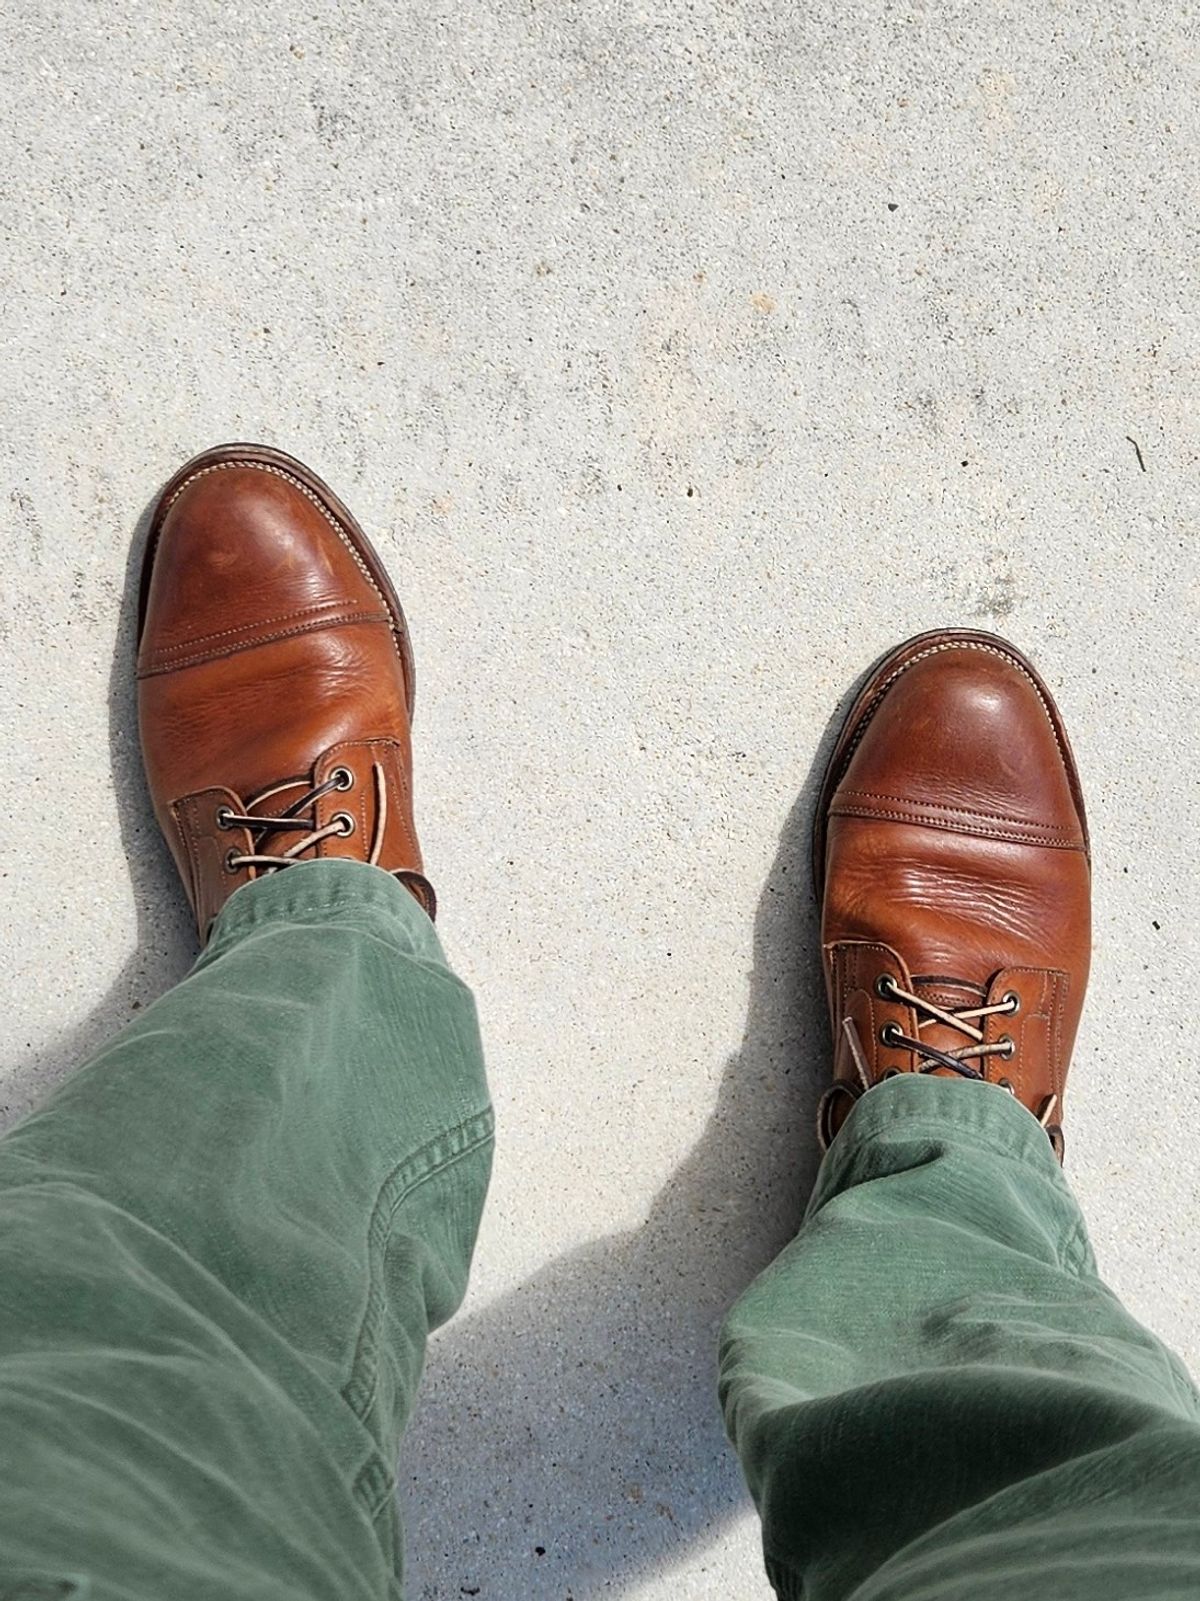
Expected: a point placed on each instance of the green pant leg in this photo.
(222, 1246)
(932, 1393)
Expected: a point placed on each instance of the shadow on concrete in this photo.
(166, 936)
(567, 1438)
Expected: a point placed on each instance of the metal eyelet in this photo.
(224, 813)
(346, 824)
(1012, 1001)
(889, 1034)
(1006, 1084)
(1010, 1049)
(342, 778)
(885, 987)
(231, 865)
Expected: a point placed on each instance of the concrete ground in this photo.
(679, 359)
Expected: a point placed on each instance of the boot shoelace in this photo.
(341, 824)
(966, 1021)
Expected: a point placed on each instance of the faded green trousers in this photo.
(933, 1395)
(224, 1242)
(222, 1246)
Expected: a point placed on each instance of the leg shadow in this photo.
(567, 1438)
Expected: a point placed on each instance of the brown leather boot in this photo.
(275, 680)
(951, 859)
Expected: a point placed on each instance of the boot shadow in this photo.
(166, 938)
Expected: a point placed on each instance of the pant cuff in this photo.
(331, 889)
(957, 1109)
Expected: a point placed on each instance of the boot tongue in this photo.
(951, 995)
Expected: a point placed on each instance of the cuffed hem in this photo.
(330, 889)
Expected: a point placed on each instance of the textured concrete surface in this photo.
(679, 359)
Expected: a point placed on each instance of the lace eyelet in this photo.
(885, 987)
(342, 778)
(345, 822)
(224, 813)
(1012, 1001)
(889, 1034)
(1010, 1048)
(1006, 1084)
(231, 865)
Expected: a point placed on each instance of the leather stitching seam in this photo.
(1032, 838)
(224, 633)
(1062, 984)
(399, 779)
(184, 813)
(156, 667)
(967, 811)
(415, 1170)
